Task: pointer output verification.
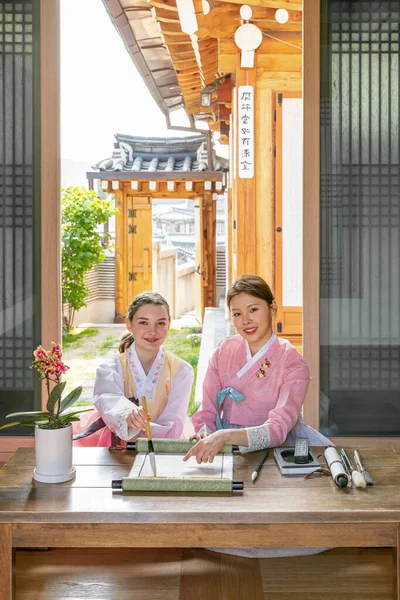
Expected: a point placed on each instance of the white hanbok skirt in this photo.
(316, 439)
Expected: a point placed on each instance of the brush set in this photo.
(344, 472)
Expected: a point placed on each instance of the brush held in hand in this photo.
(150, 440)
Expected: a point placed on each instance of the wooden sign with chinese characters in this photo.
(246, 131)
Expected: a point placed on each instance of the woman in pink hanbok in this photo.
(254, 389)
(142, 368)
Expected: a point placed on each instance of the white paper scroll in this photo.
(172, 466)
(246, 131)
(335, 464)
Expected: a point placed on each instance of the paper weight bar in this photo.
(169, 446)
(154, 484)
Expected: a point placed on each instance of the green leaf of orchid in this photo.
(28, 423)
(76, 412)
(57, 389)
(71, 398)
(33, 413)
(69, 419)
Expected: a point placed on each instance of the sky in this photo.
(102, 93)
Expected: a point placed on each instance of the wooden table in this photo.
(275, 511)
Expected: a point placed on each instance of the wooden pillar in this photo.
(199, 257)
(265, 194)
(50, 172)
(311, 181)
(210, 249)
(232, 197)
(229, 239)
(246, 256)
(120, 255)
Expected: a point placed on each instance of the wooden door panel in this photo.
(139, 234)
(199, 257)
(289, 318)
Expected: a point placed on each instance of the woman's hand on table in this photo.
(137, 419)
(208, 446)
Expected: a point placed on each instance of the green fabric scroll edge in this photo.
(173, 446)
(183, 484)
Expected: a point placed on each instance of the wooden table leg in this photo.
(396, 567)
(6, 561)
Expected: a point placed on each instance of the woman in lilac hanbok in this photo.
(254, 389)
(142, 368)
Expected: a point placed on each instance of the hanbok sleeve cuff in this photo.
(258, 437)
(122, 425)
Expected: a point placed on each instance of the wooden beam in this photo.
(146, 176)
(272, 54)
(164, 190)
(165, 16)
(172, 28)
(280, 62)
(163, 5)
(289, 86)
(283, 42)
(222, 22)
(276, 77)
(288, 4)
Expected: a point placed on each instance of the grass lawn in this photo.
(83, 349)
(178, 343)
(78, 339)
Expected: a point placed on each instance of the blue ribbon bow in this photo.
(228, 391)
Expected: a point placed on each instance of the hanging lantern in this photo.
(206, 97)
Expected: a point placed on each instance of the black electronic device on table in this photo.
(301, 451)
(287, 458)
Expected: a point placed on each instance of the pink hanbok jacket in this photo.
(275, 387)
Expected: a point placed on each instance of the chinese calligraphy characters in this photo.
(246, 131)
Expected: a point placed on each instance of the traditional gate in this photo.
(141, 170)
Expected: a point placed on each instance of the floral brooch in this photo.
(264, 365)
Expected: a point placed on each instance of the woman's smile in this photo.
(250, 330)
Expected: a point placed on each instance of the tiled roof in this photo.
(174, 217)
(138, 154)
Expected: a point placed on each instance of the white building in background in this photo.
(174, 225)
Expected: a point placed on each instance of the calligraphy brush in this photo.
(257, 470)
(347, 470)
(150, 439)
(356, 477)
(363, 471)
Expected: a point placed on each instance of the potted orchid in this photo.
(53, 429)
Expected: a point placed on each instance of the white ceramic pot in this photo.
(53, 452)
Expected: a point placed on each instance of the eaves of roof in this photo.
(138, 29)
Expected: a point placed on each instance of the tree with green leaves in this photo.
(82, 242)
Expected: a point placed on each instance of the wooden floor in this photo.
(171, 574)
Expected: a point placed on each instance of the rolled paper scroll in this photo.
(169, 446)
(336, 467)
